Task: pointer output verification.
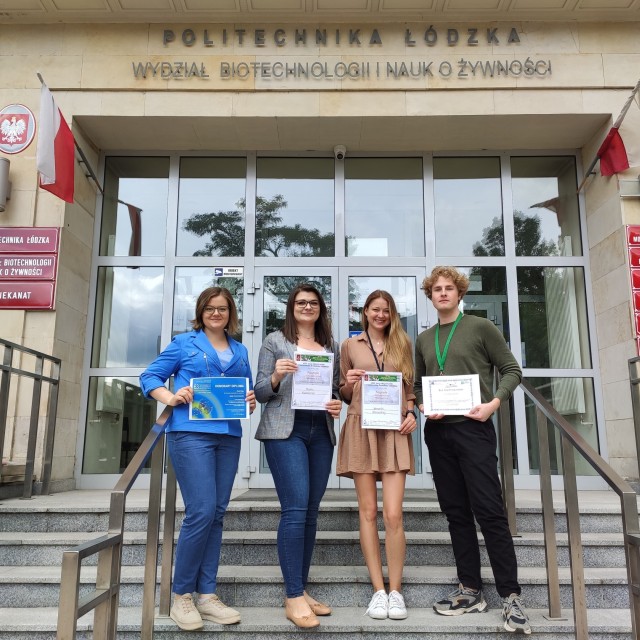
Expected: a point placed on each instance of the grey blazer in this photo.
(276, 421)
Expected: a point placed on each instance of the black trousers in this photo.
(465, 472)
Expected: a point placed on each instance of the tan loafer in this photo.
(302, 622)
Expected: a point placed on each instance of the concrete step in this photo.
(264, 516)
(346, 623)
(334, 548)
(341, 586)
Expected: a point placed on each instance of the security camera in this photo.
(339, 151)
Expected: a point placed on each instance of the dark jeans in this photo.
(300, 466)
(465, 472)
(205, 465)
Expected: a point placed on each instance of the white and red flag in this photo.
(55, 156)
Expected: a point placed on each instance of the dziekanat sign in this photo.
(294, 53)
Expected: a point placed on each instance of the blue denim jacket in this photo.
(190, 355)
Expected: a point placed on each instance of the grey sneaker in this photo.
(515, 617)
(215, 610)
(460, 601)
(378, 608)
(184, 613)
(397, 608)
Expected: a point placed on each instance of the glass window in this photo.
(468, 207)
(118, 420)
(545, 206)
(553, 317)
(190, 281)
(128, 316)
(384, 207)
(211, 207)
(573, 398)
(134, 208)
(487, 296)
(276, 294)
(294, 207)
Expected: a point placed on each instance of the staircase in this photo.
(34, 533)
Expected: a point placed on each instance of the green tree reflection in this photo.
(226, 232)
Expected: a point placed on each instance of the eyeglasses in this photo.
(303, 304)
(211, 310)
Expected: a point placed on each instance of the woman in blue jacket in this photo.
(204, 453)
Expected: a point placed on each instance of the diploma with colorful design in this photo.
(450, 395)
(312, 382)
(381, 400)
(219, 398)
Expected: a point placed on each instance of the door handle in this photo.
(252, 327)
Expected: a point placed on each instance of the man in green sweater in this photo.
(462, 448)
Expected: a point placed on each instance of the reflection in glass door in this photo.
(344, 295)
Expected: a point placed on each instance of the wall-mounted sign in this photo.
(17, 128)
(633, 244)
(29, 240)
(28, 267)
(27, 295)
(228, 272)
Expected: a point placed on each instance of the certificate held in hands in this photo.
(450, 395)
(219, 398)
(311, 387)
(381, 400)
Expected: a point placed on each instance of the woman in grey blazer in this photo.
(298, 443)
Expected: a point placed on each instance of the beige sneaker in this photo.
(215, 610)
(184, 613)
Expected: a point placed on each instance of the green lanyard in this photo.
(443, 357)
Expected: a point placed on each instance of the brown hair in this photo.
(460, 280)
(397, 345)
(203, 301)
(322, 329)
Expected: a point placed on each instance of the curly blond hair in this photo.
(450, 273)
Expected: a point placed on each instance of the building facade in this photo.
(355, 144)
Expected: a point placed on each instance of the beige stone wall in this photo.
(89, 67)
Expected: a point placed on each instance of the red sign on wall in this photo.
(20, 266)
(28, 267)
(29, 239)
(26, 295)
(633, 244)
(633, 235)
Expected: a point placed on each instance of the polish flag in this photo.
(612, 154)
(55, 155)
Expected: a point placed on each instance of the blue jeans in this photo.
(300, 466)
(205, 465)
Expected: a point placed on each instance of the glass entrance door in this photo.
(345, 290)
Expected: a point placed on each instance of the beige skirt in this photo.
(373, 450)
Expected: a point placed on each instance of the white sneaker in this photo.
(397, 608)
(184, 613)
(378, 606)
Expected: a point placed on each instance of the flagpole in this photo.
(616, 125)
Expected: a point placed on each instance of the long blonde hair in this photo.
(397, 346)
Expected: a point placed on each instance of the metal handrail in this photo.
(105, 597)
(572, 441)
(38, 376)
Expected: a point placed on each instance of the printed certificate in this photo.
(219, 398)
(450, 395)
(313, 381)
(381, 400)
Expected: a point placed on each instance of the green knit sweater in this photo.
(477, 346)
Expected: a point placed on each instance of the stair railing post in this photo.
(548, 519)
(32, 438)
(167, 540)
(69, 589)
(5, 381)
(153, 536)
(576, 559)
(50, 429)
(634, 381)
